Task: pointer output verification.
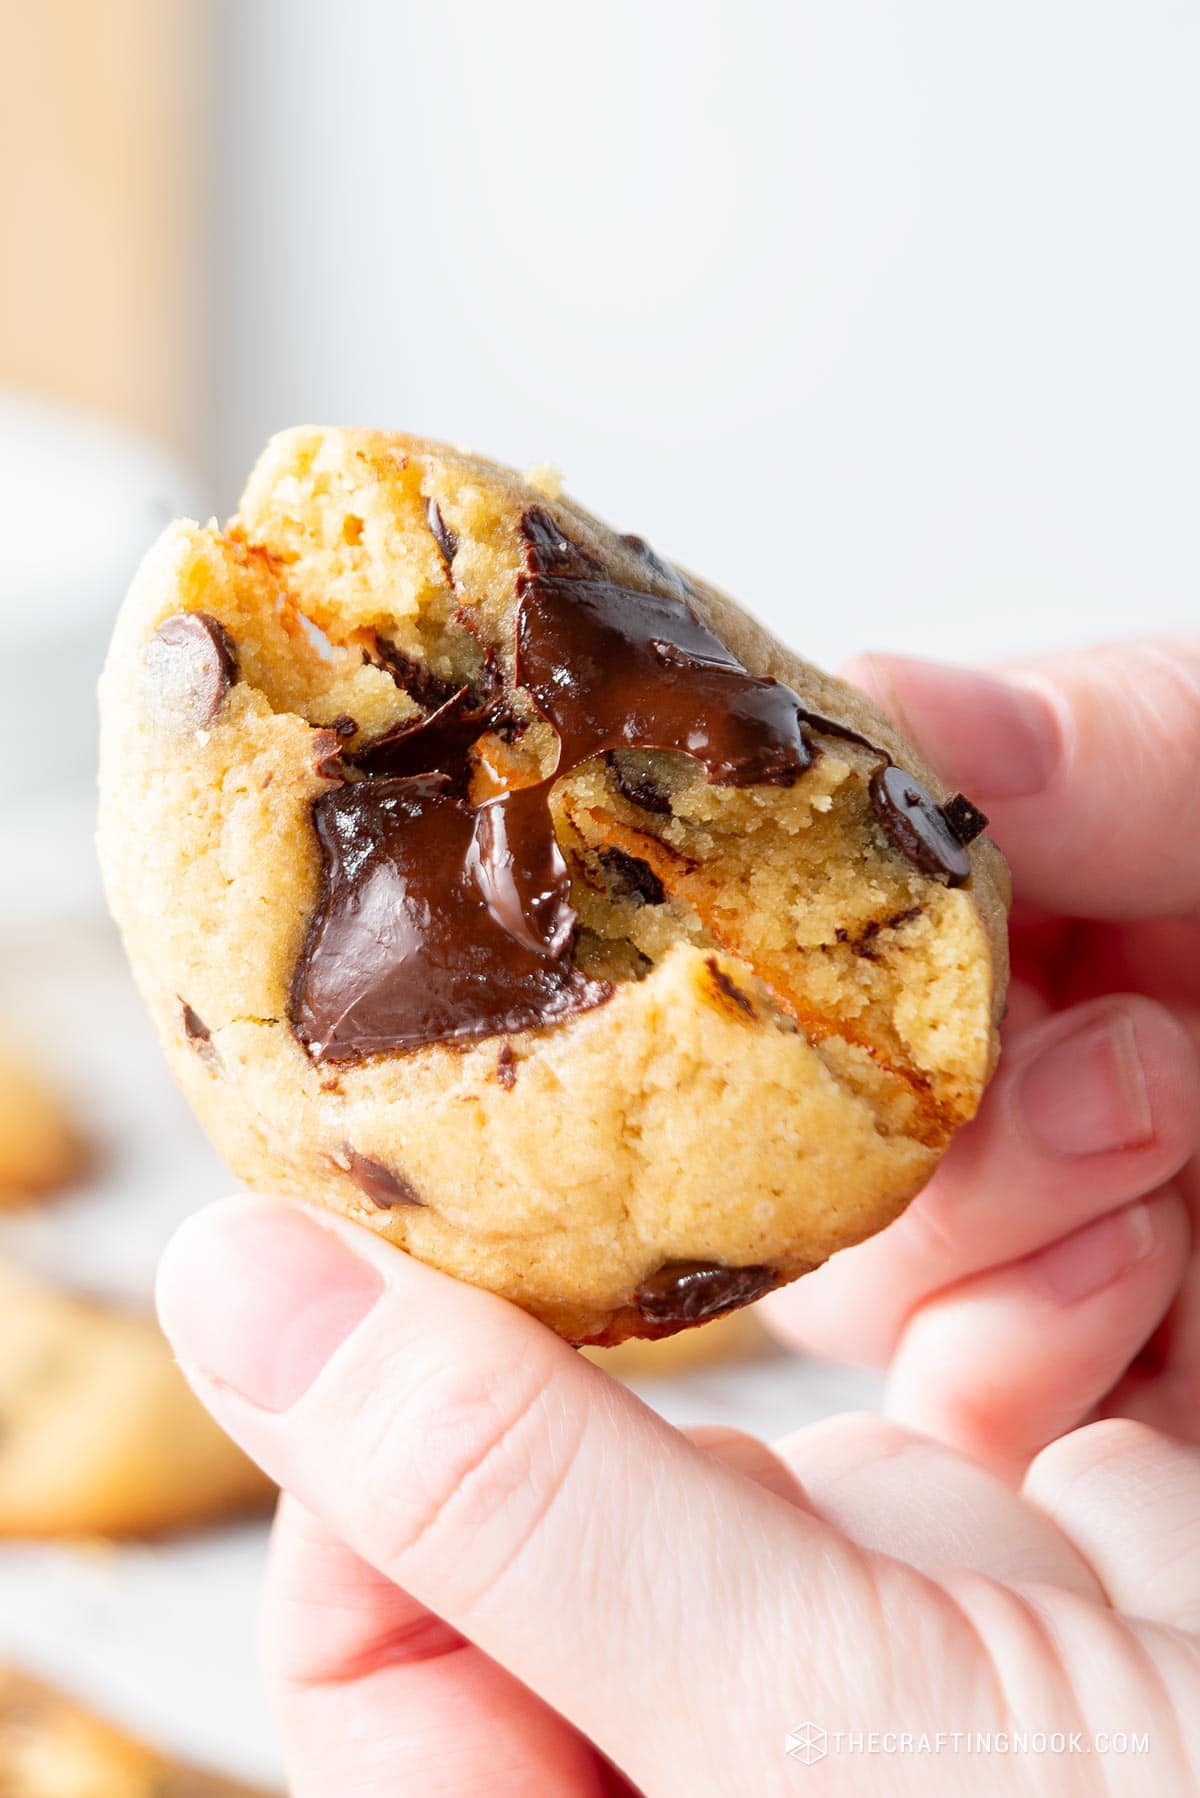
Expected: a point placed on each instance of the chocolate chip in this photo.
(326, 750)
(188, 667)
(729, 988)
(382, 1185)
(631, 877)
(344, 725)
(198, 1034)
(914, 824)
(640, 790)
(506, 1067)
(864, 943)
(421, 684)
(549, 551)
(444, 537)
(966, 821)
(690, 1291)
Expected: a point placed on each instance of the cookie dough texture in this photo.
(800, 1015)
(52, 1747)
(99, 1432)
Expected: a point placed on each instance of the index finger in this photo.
(1086, 763)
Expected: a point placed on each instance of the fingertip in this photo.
(1002, 1363)
(257, 1294)
(998, 736)
(1114, 1076)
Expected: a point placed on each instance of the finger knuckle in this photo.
(488, 1450)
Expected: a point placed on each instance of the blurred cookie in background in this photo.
(99, 1432)
(41, 1147)
(51, 1747)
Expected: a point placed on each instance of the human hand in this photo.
(501, 1573)
(1049, 1272)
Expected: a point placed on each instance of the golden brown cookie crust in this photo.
(795, 1031)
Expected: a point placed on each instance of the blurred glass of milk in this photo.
(81, 500)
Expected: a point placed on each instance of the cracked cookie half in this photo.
(510, 890)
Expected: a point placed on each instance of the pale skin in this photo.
(495, 1570)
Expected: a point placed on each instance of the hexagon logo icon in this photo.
(808, 1744)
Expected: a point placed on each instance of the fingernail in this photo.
(257, 1295)
(1095, 1256)
(1085, 1094)
(992, 736)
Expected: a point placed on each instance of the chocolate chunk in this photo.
(829, 727)
(687, 1292)
(438, 920)
(382, 1185)
(548, 551)
(444, 537)
(326, 748)
(611, 668)
(640, 790)
(435, 744)
(188, 667)
(432, 926)
(914, 823)
(421, 684)
(343, 726)
(506, 1067)
(632, 877)
(966, 821)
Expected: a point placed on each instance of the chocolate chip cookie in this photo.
(52, 1747)
(99, 1433)
(41, 1148)
(507, 888)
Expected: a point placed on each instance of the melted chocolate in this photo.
(419, 682)
(188, 667)
(687, 1292)
(439, 920)
(405, 948)
(436, 744)
(614, 669)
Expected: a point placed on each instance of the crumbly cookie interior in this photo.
(348, 612)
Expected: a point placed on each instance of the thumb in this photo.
(1085, 763)
(541, 1511)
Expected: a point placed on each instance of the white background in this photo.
(885, 316)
